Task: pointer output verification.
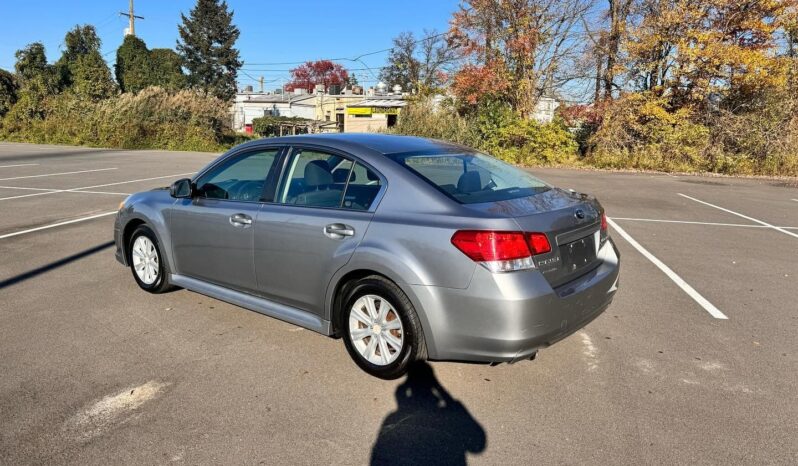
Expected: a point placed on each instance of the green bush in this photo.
(638, 131)
(493, 128)
(151, 119)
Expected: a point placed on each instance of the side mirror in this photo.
(182, 188)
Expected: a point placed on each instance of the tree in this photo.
(519, 50)
(82, 68)
(133, 68)
(206, 46)
(138, 67)
(694, 52)
(324, 72)
(8, 91)
(422, 64)
(37, 81)
(167, 69)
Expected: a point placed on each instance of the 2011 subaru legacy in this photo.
(406, 248)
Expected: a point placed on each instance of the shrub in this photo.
(151, 119)
(639, 131)
(493, 128)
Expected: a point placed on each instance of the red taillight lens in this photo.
(539, 244)
(488, 246)
(485, 246)
(604, 225)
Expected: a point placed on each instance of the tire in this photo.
(382, 340)
(144, 253)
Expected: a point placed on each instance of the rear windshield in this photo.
(472, 178)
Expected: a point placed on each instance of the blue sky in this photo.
(271, 31)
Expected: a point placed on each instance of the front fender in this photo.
(151, 208)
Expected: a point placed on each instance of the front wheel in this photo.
(146, 261)
(382, 330)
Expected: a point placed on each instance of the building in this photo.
(249, 105)
(544, 110)
(326, 112)
(373, 114)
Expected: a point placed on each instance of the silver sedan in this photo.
(406, 248)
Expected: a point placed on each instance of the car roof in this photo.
(381, 143)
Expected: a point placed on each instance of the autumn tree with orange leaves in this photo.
(519, 50)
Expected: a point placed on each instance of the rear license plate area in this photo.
(578, 254)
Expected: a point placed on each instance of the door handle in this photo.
(240, 220)
(338, 231)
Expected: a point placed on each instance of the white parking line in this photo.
(57, 174)
(702, 301)
(796, 200)
(48, 190)
(687, 222)
(19, 165)
(741, 215)
(73, 190)
(53, 225)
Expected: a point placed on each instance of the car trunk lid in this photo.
(571, 222)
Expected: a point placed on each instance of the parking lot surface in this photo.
(695, 362)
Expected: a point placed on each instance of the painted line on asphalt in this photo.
(54, 225)
(688, 222)
(57, 174)
(48, 190)
(741, 215)
(19, 165)
(796, 200)
(697, 297)
(77, 190)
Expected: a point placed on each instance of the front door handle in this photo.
(338, 231)
(240, 220)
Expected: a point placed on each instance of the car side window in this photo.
(239, 179)
(318, 179)
(315, 179)
(363, 187)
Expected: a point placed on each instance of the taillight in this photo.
(539, 244)
(604, 225)
(501, 251)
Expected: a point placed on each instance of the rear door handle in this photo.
(338, 231)
(240, 220)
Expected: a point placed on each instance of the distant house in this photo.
(249, 105)
(373, 114)
(545, 109)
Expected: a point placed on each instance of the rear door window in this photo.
(318, 179)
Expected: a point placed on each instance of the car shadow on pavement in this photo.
(428, 426)
(53, 265)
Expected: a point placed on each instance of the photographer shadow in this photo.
(428, 426)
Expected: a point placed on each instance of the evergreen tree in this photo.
(133, 68)
(82, 67)
(206, 45)
(37, 81)
(138, 67)
(8, 91)
(167, 69)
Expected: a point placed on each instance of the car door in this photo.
(321, 210)
(212, 232)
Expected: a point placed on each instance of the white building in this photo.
(249, 106)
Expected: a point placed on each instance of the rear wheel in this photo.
(382, 331)
(146, 261)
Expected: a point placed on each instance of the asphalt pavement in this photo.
(696, 361)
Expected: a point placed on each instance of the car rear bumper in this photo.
(509, 317)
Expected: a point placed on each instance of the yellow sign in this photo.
(358, 110)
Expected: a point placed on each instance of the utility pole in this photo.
(132, 19)
(261, 84)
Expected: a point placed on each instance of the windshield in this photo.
(472, 178)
